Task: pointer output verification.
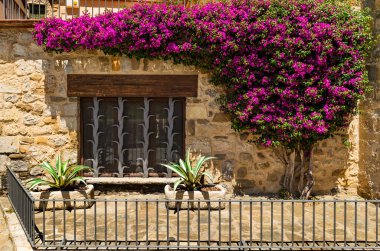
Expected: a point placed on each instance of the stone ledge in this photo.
(130, 180)
(16, 231)
(18, 23)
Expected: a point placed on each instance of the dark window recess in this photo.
(37, 10)
(131, 136)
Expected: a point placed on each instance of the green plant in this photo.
(59, 176)
(189, 171)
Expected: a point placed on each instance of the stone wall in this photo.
(369, 165)
(37, 120)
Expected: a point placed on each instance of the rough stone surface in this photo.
(18, 166)
(35, 108)
(9, 144)
(12, 229)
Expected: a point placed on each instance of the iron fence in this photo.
(231, 224)
(22, 203)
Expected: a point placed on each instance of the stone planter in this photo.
(67, 195)
(195, 195)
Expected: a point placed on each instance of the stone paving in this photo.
(5, 241)
(256, 221)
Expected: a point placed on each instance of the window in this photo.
(131, 136)
(37, 10)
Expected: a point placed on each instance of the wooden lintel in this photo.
(131, 85)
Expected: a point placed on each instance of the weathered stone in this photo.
(30, 119)
(245, 183)
(57, 141)
(262, 165)
(35, 171)
(41, 130)
(70, 109)
(4, 161)
(196, 112)
(246, 157)
(26, 67)
(13, 98)
(18, 166)
(28, 98)
(9, 144)
(190, 127)
(241, 172)
(19, 50)
(26, 140)
(8, 115)
(16, 156)
(6, 88)
(227, 170)
(220, 117)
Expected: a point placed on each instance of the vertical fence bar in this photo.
(377, 224)
(167, 223)
(271, 223)
(85, 222)
(209, 223)
(313, 223)
(250, 223)
(137, 224)
(116, 221)
(282, 223)
(75, 222)
(199, 223)
(95, 216)
(43, 222)
(356, 223)
(366, 224)
(178, 212)
(157, 216)
(54, 222)
(261, 223)
(229, 223)
(345, 223)
(220, 224)
(303, 223)
(188, 223)
(334, 217)
(146, 225)
(292, 223)
(126, 222)
(105, 221)
(324, 223)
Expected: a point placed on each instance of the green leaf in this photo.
(176, 184)
(176, 169)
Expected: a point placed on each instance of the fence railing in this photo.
(22, 203)
(233, 224)
(65, 9)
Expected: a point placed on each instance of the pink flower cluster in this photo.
(293, 71)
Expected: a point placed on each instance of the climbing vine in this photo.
(292, 71)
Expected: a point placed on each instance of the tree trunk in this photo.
(308, 176)
(298, 178)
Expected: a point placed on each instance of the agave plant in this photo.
(189, 171)
(59, 176)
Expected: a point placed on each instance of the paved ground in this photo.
(267, 222)
(5, 241)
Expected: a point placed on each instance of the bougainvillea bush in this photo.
(292, 71)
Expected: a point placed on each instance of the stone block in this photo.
(221, 117)
(30, 119)
(227, 170)
(8, 115)
(9, 144)
(6, 88)
(196, 112)
(18, 166)
(4, 161)
(70, 109)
